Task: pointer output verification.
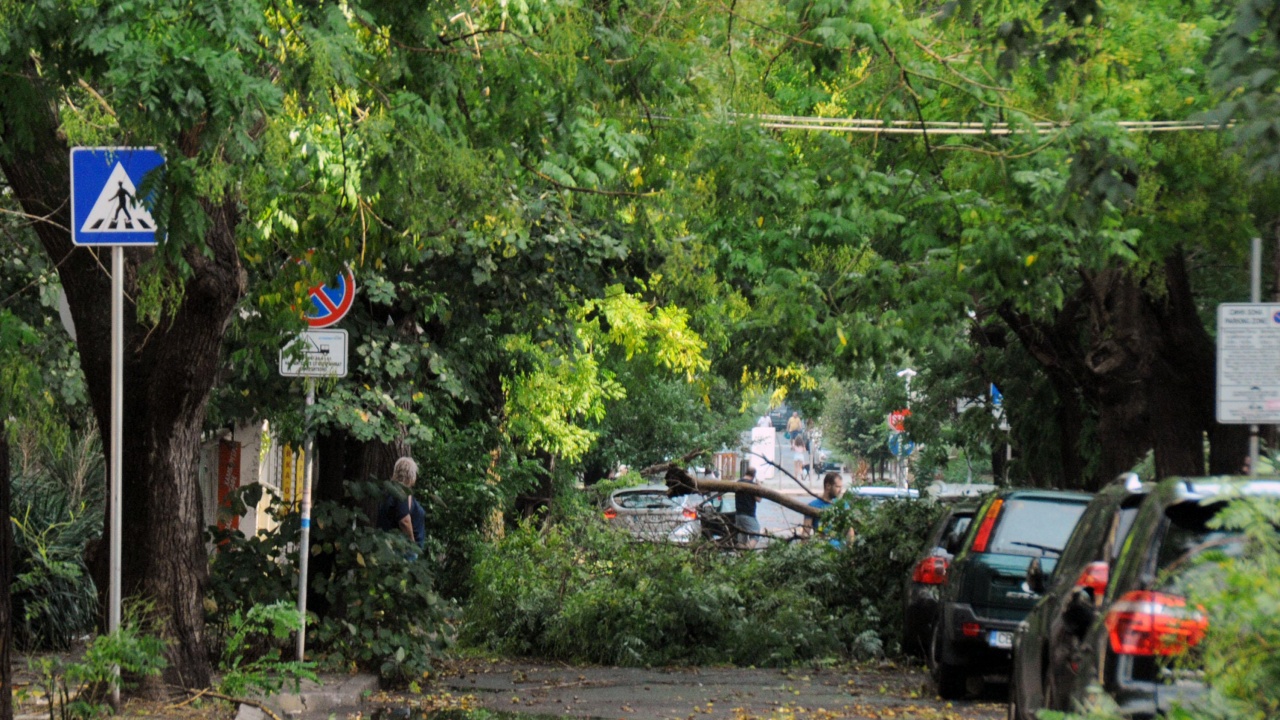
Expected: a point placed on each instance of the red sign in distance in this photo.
(897, 418)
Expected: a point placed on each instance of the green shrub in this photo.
(576, 589)
(374, 608)
(54, 598)
(244, 667)
(76, 690)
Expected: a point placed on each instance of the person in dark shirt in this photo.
(744, 508)
(405, 515)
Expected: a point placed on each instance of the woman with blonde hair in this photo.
(405, 515)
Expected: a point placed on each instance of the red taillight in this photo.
(690, 514)
(931, 571)
(1094, 578)
(610, 514)
(971, 629)
(988, 522)
(1143, 622)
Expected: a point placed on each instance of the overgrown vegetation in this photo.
(81, 689)
(575, 589)
(373, 608)
(56, 516)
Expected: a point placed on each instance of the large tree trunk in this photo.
(168, 373)
(6, 576)
(1136, 349)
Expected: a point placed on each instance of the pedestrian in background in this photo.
(404, 514)
(832, 489)
(799, 446)
(794, 423)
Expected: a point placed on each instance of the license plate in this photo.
(1000, 639)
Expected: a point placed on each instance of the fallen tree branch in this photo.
(206, 692)
(680, 482)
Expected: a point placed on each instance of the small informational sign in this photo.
(105, 206)
(323, 353)
(1248, 389)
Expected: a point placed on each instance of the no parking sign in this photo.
(331, 302)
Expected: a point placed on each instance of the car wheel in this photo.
(949, 680)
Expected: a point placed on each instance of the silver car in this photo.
(648, 514)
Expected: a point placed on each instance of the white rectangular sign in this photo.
(324, 354)
(1248, 389)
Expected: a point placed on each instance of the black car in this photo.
(1145, 621)
(985, 596)
(1046, 642)
(921, 589)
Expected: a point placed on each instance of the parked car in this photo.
(1145, 621)
(648, 514)
(984, 597)
(779, 416)
(921, 588)
(1044, 645)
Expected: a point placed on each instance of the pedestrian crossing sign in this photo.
(105, 207)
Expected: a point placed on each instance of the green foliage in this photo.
(578, 590)
(80, 690)
(374, 608)
(54, 599)
(246, 666)
(1241, 594)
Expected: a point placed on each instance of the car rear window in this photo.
(645, 501)
(1030, 526)
(1188, 536)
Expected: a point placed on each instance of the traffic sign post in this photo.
(323, 354)
(106, 211)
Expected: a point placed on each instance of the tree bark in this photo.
(169, 370)
(1135, 349)
(6, 578)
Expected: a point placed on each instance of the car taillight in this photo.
(931, 571)
(690, 514)
(1143, 622)
(988, 522)
(971, 629)
(1094, 578)
(610, 514)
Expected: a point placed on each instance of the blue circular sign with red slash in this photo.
(330, 303)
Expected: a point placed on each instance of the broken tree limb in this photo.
(680, 482)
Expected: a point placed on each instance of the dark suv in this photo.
(1146, 621)
(986, 596)
(922, 587)
(1045, 643)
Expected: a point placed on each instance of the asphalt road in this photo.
(873, 691)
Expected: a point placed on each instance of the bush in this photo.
(576, 589)
(54, 598)
(374, 608)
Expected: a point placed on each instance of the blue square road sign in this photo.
(105, 207)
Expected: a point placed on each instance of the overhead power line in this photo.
(929, 127)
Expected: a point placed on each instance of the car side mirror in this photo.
(1079, 613)
(1035, 577)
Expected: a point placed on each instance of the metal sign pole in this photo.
(1255, 296)
(304, 547)
(117, 449)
